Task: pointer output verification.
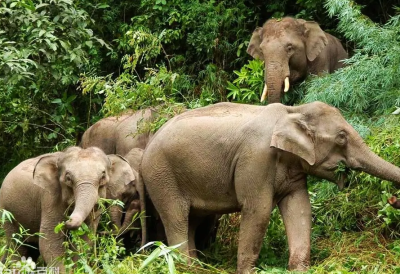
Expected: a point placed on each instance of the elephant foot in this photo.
(299, 267)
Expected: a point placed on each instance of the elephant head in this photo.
(319, 135)
(286, 46)
(121, 187)
(76, 176)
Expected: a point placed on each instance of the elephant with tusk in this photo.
(291, 49)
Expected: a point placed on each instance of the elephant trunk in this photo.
(372, 164)
(274, 79)
(86, 197)
(116, 215)
(134, 208)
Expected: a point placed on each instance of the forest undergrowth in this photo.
(65, 65)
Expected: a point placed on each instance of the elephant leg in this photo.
(194, 222)
(17, 250)
(296, 214)
(175, 218)
(253, 225)
(51, 245)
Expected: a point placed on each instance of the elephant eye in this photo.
(341, 138)
(68, 179)
(103, 178)
(289, 47)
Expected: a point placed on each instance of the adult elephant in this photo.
(40, 191)
(234, 157)
(206, 231)
(119, 134)
(291, 49)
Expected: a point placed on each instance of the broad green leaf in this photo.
(56, 101)
(41, 5)
(171, 265)
(89, 44)
(150, 258)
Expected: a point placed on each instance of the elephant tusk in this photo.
(265, 93)
(286, 84)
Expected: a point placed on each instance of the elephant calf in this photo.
(129, 192)
(39, 191)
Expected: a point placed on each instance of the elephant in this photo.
(291, 49)
(130, 193)
(40, 191)
(119, 134)
(124, 189)
(231, 157)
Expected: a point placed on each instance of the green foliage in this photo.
(369, 84)
(43, 47)
(215, 39)
(18, 240)
(169, 253)
(251, 75)
(187, 54)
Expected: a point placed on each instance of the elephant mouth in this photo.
(341, 180)
(341, 171)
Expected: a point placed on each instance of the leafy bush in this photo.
(43, 47)
(370, 84)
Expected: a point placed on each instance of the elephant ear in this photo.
(316, 39)
(254, 46)
(121, 171)
(134, 157)
(292, 134)
(45, 173)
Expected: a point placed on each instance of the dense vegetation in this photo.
(65, 64)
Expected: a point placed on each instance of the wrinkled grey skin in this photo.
(234, 157)
(41, 191)
(294, 48)
(118, 135)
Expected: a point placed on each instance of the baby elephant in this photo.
(39, 192)
(125, 191)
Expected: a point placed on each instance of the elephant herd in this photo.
(202, 163)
